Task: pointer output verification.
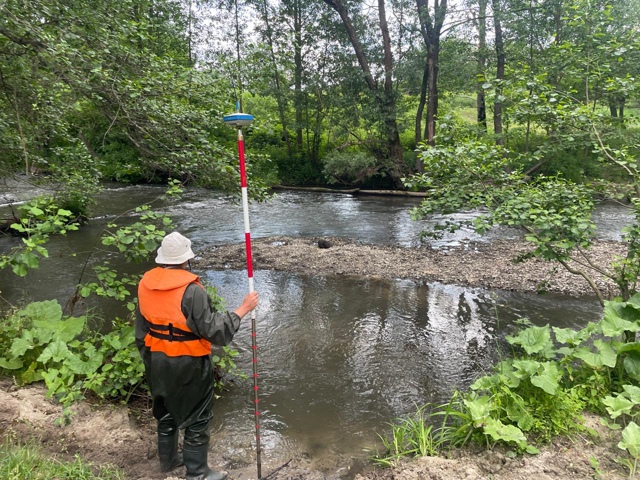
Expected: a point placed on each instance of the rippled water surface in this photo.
(339, 358)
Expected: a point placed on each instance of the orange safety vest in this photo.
(160, 297)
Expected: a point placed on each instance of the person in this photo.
(175, 329)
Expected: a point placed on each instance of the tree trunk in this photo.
(481, 106)
(297, 46)
(338, 6)
(393, 136)
(280, 100)
(421, 103)
(432, 91)
(387, 96)
(501, 60)
(431, 29)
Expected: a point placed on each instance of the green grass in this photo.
(28, 462)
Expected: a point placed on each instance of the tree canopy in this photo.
(135, 90)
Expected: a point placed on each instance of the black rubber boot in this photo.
(168, 453)
(195, 459)
(168, 444)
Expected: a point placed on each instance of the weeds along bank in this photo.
(541, 393)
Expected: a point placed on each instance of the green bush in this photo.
(348, 167)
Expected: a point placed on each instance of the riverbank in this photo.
(124, 437)
(484, 265)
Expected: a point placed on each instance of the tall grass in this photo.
(411, 437)
(28, 462)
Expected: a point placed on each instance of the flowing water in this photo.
(339, 358)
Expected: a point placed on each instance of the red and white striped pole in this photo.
(240, 120)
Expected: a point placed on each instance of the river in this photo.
(339, 358)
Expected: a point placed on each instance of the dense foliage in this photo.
(136, 90)
(103, 89)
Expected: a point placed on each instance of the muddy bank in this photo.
(483, 265)
(124, 437)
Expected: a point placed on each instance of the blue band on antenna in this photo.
(238, 119)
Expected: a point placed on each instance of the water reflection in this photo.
(339, 358)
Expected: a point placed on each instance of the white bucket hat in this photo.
(174, 250)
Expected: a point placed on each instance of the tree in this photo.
(115, 77)
(385, 96)
(553, 212)
(481, 24)
(431, 29)
(500, 66)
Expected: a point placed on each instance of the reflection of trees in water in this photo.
(458, 338)
(341, 357)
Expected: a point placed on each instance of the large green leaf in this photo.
(65, 330)
(480, 408)
(20, 345)
(10, 364)
(604, 356)
(632, 392)
(625, 310)
(56, 351)
(632, 364)
(635, 301)
(548, 378)
(609, 356)
(570, 336)
(506, 433)
(47, 310)
(618, 405)
(631, 440)
(532, 340)
(631, 347)
(485, 383)
(32, 374)
(80, 367)
(613, 324)
(526, 367)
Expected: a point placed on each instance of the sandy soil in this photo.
(474, 264)
(125, 436)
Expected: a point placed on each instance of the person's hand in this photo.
(249, 303)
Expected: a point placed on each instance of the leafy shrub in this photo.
(40, 343)
(122, 371)
(348, 168)
(49, 349)
(39, 219)
(542, 391)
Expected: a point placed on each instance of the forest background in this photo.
(343, 92)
